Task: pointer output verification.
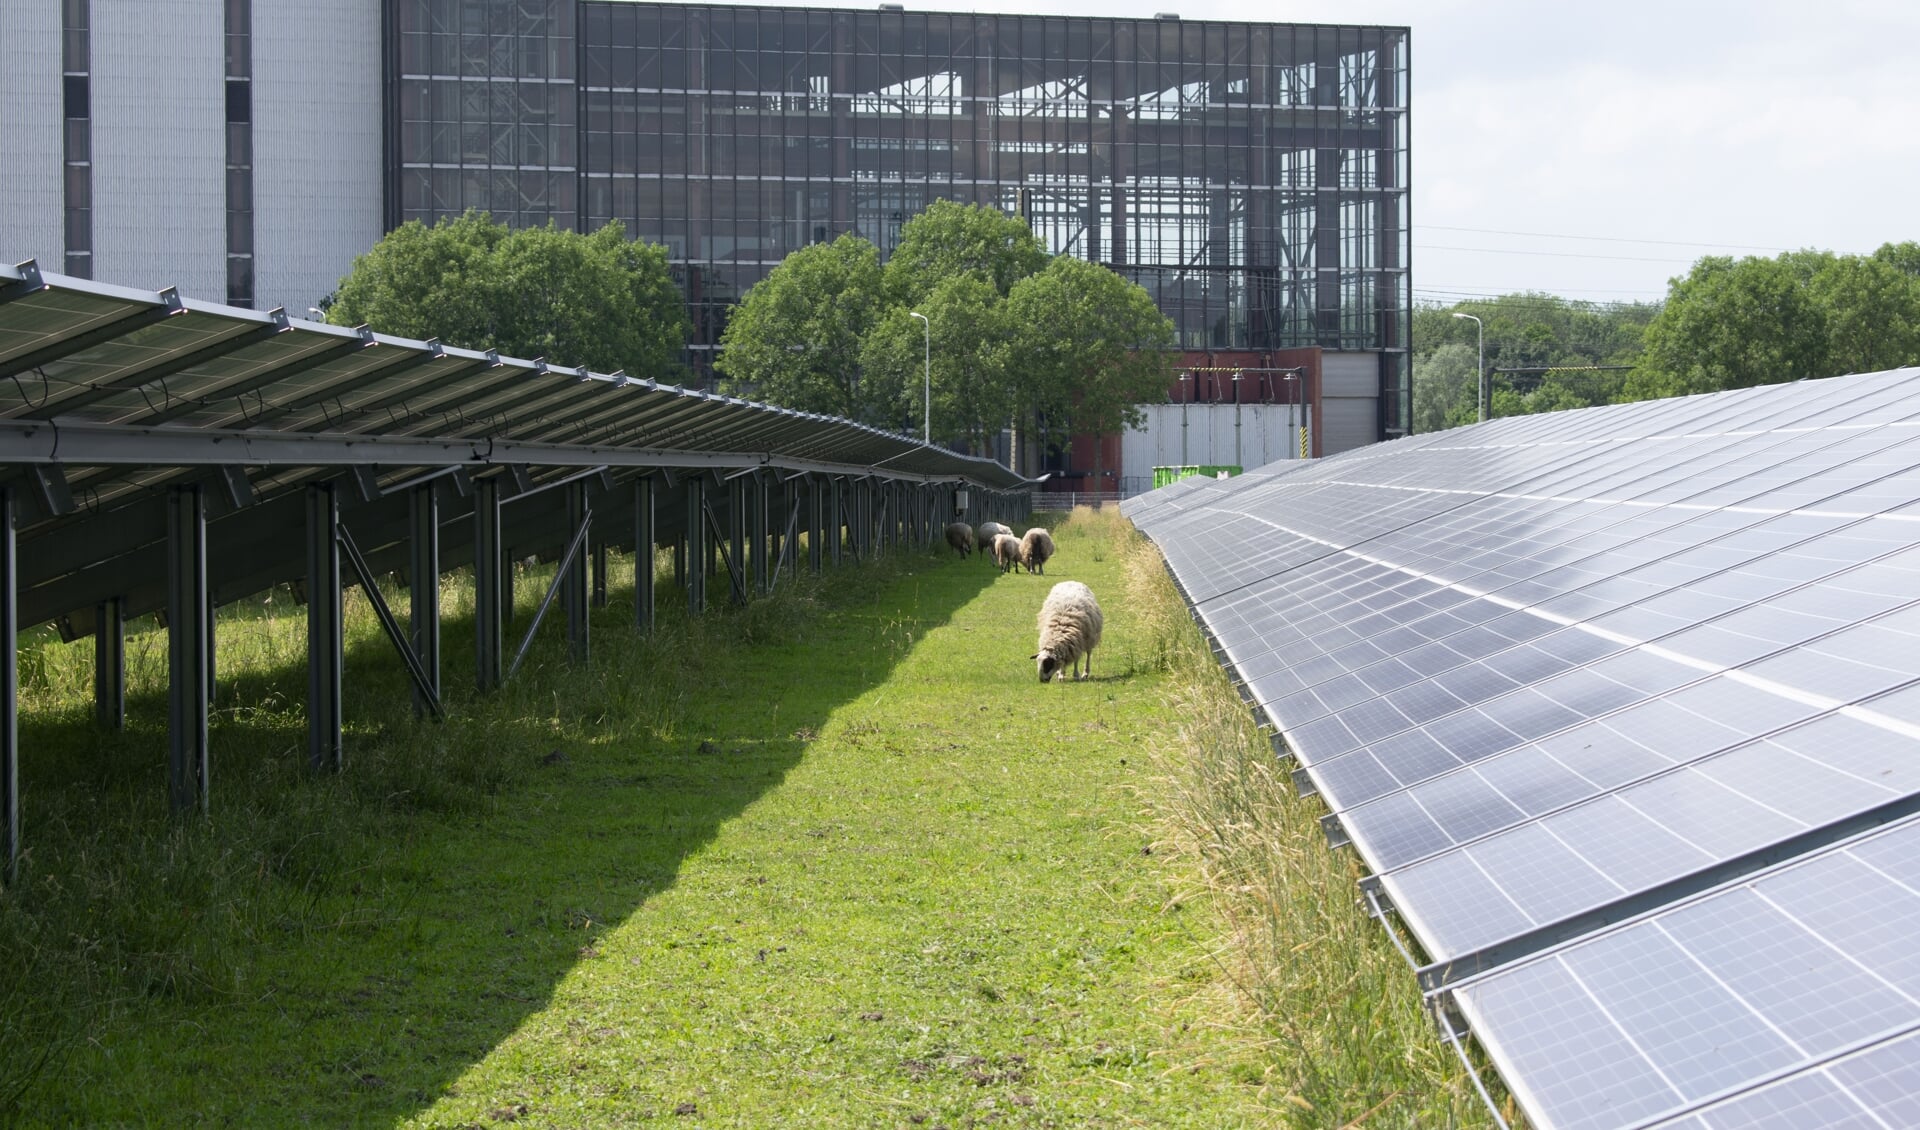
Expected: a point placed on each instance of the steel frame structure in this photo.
(164, 456)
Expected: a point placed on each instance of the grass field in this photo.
(835, 859)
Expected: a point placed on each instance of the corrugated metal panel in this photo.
(1349, 423)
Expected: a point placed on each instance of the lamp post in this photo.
(1480, 334)
(319, 315)
(926, 396)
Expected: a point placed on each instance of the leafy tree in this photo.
(1446, 384)
(1086, 348)
(973, 397)
(595, 301)
(425, 282)
(949, 239)
(1903, 257)
(797, 336)
(1872, 314)
(1733, 324)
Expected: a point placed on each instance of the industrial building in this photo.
(1252, 177)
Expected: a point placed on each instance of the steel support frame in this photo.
(423, 592)
(643, 553)
(110, 663)
(575, 590)
(758, 518)
(489, 609)
(326, 634)
(9, 694)
(696, 544)
(816, 521)
(188, 609)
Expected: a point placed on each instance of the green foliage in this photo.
(1087, 345)
(1014, 336)
(796, 338)
(967, 329)
(1736, 323)
(1446, 387)
(950, 239)
(596, 301)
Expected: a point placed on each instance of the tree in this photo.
(950, 239)
(1738, 323)
(597, 301)
(425, 282)
(1446, 382)
(1086, 347)
(968, 331)
(796, 338)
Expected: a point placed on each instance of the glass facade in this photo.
(1252, 177)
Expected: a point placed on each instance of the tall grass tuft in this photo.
(1315, 975)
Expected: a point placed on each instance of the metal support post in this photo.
(187, 646)
(599, 574)
(424, 590)
(696, 544)
(836, 519)
(755, 487)
(737, 538)
(574, 585)
(816, 521)
(110, 663)
(9, 692)
(643, 553)
(489, 619)
(326, 636)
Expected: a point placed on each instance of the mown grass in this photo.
(835, 859)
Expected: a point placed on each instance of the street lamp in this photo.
(926, 396)
(1480, 332)
(319, 315)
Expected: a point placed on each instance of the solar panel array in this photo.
(1556, 673)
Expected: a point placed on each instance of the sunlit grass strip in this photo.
(1351, 1040)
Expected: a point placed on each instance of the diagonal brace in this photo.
(415, 669)
(546, 602)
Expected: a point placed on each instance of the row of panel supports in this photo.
(767, 514)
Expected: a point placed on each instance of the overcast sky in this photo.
(1626, 140)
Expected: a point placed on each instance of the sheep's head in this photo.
(1049, 666)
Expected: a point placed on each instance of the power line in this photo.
(1552, 254)
(1604, 238)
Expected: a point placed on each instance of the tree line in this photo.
(1728, 323)
(1011, 336)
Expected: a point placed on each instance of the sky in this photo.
(1596, 151)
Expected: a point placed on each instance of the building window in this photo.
(240, 265)
(77, 138)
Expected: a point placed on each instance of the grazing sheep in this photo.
(1069, 630)
(1006, 551)
(984, 538)
(960, 537)
(1035, 548)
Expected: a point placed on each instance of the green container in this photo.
(1164, 475)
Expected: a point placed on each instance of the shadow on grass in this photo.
(342, 948)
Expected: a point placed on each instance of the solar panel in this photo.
(1552, 672)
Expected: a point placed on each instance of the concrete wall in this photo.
(33, 212)
(160, 145)
(316, 146)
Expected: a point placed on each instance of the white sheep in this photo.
(984, 537)
(1006, 551)
(1035, 547)
(960, 537)
(1069, 630)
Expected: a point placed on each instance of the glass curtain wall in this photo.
(482, 109)
(1252, 177)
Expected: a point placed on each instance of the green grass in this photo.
(835, 859)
